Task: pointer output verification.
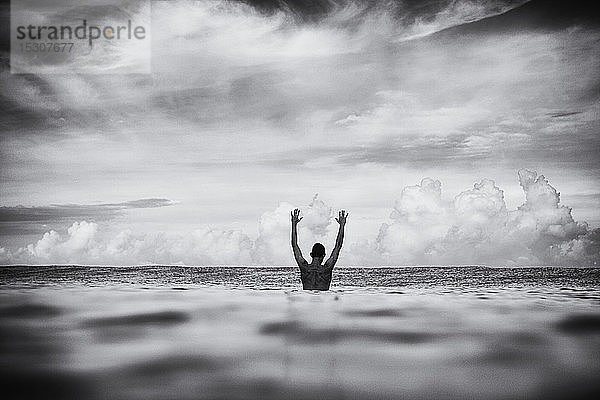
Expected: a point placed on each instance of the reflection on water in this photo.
(149, 335)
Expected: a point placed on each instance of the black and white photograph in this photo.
(299, 199)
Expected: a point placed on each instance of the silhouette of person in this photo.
(317, 276)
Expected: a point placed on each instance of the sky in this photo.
(454, 132)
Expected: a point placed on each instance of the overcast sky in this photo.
(253, 105)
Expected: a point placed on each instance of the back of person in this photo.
(316, 275)
(315, 278)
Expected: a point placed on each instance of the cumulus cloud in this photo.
(78, 244)
(423, 228)
(84, 244)
(207, 245)
(273, 243)
(477, 228)
(419, 218)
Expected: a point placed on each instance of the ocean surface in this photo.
(162, 332)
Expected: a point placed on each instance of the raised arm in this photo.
(297, 253)
(341, 219)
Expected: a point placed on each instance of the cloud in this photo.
(79, 244)
(227, 72)
(204, 246)
(27, 220)
(474, 228)
(273, 242)
(349, 90)
(61, 211)
(419, 218)
(84, 244)
(477, 228)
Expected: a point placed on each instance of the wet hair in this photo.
(318, 251)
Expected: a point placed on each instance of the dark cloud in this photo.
(29, 220)
(579, 150)
(445, 151)
(500, 16)
(69, 211)
(534, 15)
(564, 114)
(30, 104)
(407, 11)
(411, 151)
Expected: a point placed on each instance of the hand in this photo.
(341, 219)
(296, 216)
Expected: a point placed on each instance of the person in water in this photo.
(316, 275)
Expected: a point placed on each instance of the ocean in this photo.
(164, 332)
